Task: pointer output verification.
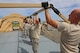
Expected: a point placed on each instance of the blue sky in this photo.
(64, 6)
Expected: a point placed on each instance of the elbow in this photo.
(49, 21)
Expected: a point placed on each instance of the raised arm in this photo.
(49, 20)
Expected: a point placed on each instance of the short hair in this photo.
(25, 20)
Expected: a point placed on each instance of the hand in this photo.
(37, 19)
(45, 5)
(51, 6)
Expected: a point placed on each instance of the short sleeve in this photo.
(63, 26)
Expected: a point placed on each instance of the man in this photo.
(24, 21)
(27, 27)
(70, 33)
(35, 31)
(31, 29)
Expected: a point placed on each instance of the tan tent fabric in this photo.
(6, 24)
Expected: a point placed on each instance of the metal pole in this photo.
(35, 13)
(59, 13)
(20, 5)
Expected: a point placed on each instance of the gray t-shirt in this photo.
(35, 30)
(27, 26)
(70, 37)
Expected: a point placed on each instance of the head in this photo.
(24, 20)
(74, 16)
(31, 20)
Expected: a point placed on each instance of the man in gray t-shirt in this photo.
(35, 34)
(70, 37)
(70, 32)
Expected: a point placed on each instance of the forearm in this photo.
(49, 20)
(48, 17)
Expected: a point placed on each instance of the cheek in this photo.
(69, 19)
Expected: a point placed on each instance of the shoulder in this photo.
(63, 26)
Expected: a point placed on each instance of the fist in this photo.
(45, 5)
